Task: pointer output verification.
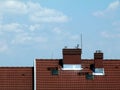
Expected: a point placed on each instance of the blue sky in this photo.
(32, 29)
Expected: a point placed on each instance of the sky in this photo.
(31, 29)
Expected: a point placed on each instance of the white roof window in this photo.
(99, 71)
(72, 67)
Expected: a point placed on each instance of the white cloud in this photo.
(25, 38)
(13, 7)
(48, 15)
(99, 13)
(11, 27)
(111, 8)
(110, 35)
(3, 47)
(35, 27)
(34, 11)
(43, 14)
(114, 5)
(105, 34)
(57, 30)
(18, 18)
(21, 38)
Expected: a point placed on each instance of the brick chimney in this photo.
(72, 56)
(98, 59)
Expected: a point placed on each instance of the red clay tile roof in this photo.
(16, 78)
(21, 78)
(76, 80)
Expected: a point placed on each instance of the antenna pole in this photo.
(81, 42)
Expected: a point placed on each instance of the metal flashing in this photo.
(99, 71)
(72, 67)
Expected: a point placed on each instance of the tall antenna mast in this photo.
(81, 41)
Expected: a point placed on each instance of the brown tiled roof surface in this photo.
(16, 78)
(76, 80)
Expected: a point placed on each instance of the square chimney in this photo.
(98, 59)
(72, 56)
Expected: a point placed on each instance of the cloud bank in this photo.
(110, 9)
(27, 22)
